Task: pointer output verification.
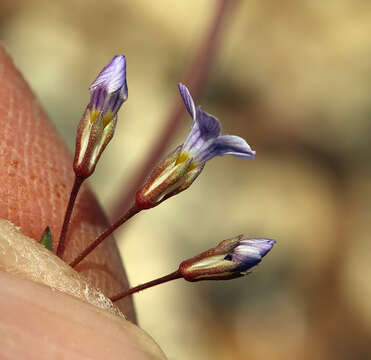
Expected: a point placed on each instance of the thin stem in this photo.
(67, 217)
(130, 213)
(172, 276)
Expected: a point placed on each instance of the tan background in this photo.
(293, 78)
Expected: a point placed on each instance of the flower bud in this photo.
(96, 128)
(231, 259)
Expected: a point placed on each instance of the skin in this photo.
(46, 306)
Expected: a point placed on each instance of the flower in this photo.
(178, 171)
(205, 140)
(107, 93)
(230, 259)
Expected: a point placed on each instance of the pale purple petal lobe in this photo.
(187, 99)
(113, 75)
(209, 126)
(250, 252)
(233, 145)
(109, 90)
(205, 140)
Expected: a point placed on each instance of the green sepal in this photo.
(46, 239)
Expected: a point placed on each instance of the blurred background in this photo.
(291, 77)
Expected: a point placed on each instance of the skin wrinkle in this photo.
(35, 189)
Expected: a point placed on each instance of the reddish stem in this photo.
(172, 276)
(67, 217)
(194, 80)
(130, 213)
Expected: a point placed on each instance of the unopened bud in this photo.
(96, 128)
(231, 259)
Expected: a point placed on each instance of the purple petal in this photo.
(109, 90)
(112, 77)
(250, 252)
(187, 99)
(229, 145)
(204, 131)
(209, 126)
(262, 245)
(204, 140)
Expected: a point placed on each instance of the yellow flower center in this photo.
(93, 116)
(107, 118)
(183, 157)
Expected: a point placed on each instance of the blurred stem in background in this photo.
(195, 79)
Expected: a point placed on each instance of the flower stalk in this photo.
(67, 217)
(129, 214)
(172, 276)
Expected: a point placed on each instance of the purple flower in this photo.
(232, 258)
(97, 126)
(205, 140)
(178, 171)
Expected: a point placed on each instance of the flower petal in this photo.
(209, 126)
(229, 145)
(204, 131)
(250, 252)
(187, 99)
(204, 140)
(262, 245)
(112, 77)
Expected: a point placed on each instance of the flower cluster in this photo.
(230, 259)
